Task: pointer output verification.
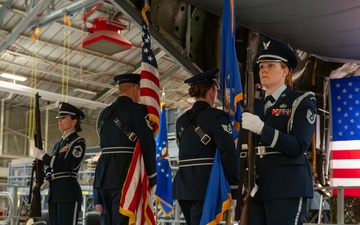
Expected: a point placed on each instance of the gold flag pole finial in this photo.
(162, 97)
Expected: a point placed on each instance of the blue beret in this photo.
(209, 75)
(127, 78)
(271, 50)
(66, 109)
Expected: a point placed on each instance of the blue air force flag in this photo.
(163, 193)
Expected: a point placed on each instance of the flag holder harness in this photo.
(204, 138)
(131, 135)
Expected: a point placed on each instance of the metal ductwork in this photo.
(105, 37)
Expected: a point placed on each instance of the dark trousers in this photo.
(64, 213)
(278, 212)
(111, 204)
(192, 211)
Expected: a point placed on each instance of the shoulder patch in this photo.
(148, 122)
(77, 151)
(227, 128)
(311, 117)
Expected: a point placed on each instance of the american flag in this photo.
(345, 146)
(163, 193)
(136, 200)
(149, 79)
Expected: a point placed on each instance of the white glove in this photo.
(38, 153)
(252, 123)
(30, 221)
(45, 185)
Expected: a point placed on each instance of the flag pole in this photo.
(228, 217)
(156, 212)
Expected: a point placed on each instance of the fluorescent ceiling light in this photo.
(85, 91)
(13, 77)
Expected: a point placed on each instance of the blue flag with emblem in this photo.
(230, 82)
(218, 194)
(163, 193)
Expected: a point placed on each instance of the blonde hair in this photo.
(288, 78)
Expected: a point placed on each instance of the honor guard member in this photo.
(65, 196)
(284, 123)
(120, 126)
(199, 132)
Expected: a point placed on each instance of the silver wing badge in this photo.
(266, 45)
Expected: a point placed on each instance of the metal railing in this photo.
(8, 208)
(340, 201)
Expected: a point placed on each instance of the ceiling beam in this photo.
(58, 75)
(70, 9)
(169, 73)
(60, 45)
(47, 95)
(24, 24)
(4, 7)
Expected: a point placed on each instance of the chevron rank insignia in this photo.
(311, 117)
(77, 151)
(227, 128)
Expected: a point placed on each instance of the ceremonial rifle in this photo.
(250, 179)
(38, 168)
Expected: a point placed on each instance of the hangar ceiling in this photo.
(57, 65)
(186, 40)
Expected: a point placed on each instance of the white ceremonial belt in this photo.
(60, 175)
(261, 151)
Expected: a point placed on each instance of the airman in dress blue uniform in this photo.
(120, 125)
(284, 126)
(65, 196)
(200, 131)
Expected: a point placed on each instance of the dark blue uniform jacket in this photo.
(112, 167)
(190, 182)
(65, 162)
(288, 174)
